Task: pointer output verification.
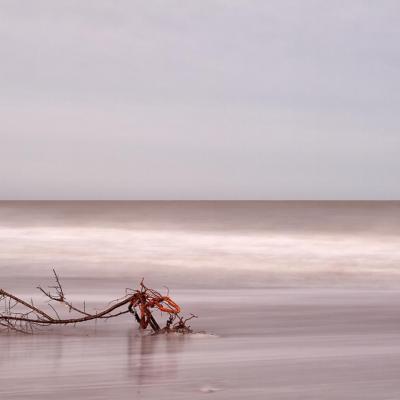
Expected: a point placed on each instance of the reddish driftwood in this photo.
(19, 315)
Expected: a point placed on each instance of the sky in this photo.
(238, 99)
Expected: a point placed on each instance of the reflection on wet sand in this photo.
(145, 366)
(296, 343)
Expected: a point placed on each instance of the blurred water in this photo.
(261, 343)
(205, 244)
(299, 300)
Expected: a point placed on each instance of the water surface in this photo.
(298, 300)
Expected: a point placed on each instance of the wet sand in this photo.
(272, 343)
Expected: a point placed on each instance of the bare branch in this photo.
(21, 316)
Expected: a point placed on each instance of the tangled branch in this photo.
(21, 316)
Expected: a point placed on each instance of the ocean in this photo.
(295, 300)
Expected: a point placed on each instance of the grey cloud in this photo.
(211, 99)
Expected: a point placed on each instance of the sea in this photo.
(294, 299)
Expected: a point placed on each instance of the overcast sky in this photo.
(199, 99)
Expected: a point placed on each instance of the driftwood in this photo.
(19, 315)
